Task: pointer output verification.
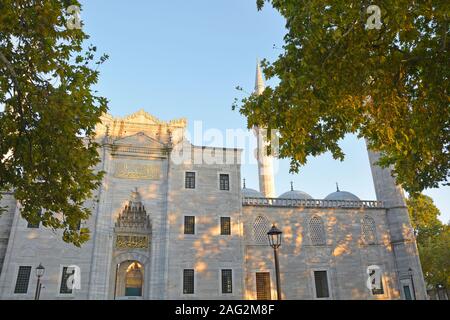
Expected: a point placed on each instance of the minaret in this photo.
(403, 242)
(265, 162)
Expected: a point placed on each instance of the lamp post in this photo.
(40, 270)
(274, 236)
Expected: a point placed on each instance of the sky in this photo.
(179, 59)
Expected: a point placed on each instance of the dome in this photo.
(342, 195)
(295, 195)
(251, 193)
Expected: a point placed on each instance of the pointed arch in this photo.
(260, 228)
(317, 231)
(369, 233)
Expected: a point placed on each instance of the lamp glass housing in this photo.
(40, 270)
(274, 236)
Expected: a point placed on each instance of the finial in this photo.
(292, 186)
(244, 182)
(337, 187)
(134, 195)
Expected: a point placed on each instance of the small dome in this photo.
(342, 195)
(294, 195)
(251, 193)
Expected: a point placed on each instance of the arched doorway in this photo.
(133, 280)
(129, 280)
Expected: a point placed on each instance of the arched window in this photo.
(369, 232)
(317, 231)
(260, 229)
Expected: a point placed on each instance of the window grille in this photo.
(189, 225)
(260, 228)
(188, 281)
(317, 231)
(225, 225)
(227, 281)
(190, 180)
(369, 230)
(224, 182)
(23, 279)
(263, 286)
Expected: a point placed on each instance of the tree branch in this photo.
(337, 42)
(21, 112)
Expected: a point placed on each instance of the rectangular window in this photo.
(321, 281)
(227, 281)
(377, 281)
(224, 182)
(263, 286)
(225, 226)
(189, 225)
(188, 281)
(34, 225)
(379, 291)
(407, 292)
(189, 181)
(66, 273)
(23, 279)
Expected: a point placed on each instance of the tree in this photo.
(435, 260)
(337, 75)
(424, 218)
(433, 240)
(47, 151)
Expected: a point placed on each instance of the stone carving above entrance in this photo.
(133, 226)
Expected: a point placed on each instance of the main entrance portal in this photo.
(132, 241)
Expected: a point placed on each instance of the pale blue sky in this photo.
(185, 58)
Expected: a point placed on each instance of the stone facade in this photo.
(145, 162)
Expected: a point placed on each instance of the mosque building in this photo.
(170, 227)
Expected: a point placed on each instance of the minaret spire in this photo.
(265, 162)
(259, 81)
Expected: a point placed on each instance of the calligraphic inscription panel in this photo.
(124, 170)
(131, 242)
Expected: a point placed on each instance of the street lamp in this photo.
(274, 236)
(40, 270)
